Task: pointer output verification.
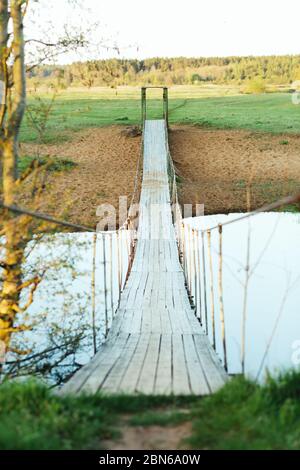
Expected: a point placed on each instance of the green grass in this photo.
(218, 107)
(273, 113)
(242, 415)
(53, 163)
(31, 417)
(246, 416)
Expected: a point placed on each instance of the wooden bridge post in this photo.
(144, 110)
(105, 285)
(144, 105)
(204, 281)
(166, 106)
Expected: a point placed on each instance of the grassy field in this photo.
(210, 106)
(242, 415)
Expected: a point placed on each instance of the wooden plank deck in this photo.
(155, 345)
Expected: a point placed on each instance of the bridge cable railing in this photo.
(112, 253)
(117, 251)
(205, 285)
(194, 246)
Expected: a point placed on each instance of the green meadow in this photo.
(209, 106)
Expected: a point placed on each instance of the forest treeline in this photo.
(170, 71)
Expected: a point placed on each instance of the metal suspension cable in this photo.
(47, 218)
(266, 208)
(83, 228)
(135, 187)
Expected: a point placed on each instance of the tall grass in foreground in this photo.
(243, 415)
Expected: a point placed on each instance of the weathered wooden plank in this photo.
(146, 381)
(78, 380)
(198, 381)
(132, 374)
(181, 385)
(108, 359)
(213, 371)
(163, 383)
(117, 372)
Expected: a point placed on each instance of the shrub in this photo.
(255, 86)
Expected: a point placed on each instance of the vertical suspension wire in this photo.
(128, 248)
(189, 260)
(245, 299)
(172, 185)
(212, 298)
(93, 282)
(111, 276)
(195, 274)
(121, 248)
(128, 243)
(178, 228)
(186, 253)
(199, 279)
(183, 248)
(177, 231)
(105, 285)
(131, 247)
(119, 265)
(221, 299)
(204, 282)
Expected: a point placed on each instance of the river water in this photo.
(273, 305)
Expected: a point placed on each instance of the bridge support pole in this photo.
(143, 106)
(166, 106)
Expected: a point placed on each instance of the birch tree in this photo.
(16, 231)
(12, 72)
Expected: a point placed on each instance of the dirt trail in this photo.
(151, 438)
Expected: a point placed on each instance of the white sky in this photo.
(189, 27)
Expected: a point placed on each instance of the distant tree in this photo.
(195, 78)
(256, 85)
(178, 70)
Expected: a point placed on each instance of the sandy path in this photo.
(151, 437)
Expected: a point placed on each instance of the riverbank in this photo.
(242, 415)
(226, 170)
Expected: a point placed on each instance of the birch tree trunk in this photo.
(16, 230)
(3, 75)
(15, 240)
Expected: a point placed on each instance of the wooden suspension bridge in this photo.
(156, 344)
